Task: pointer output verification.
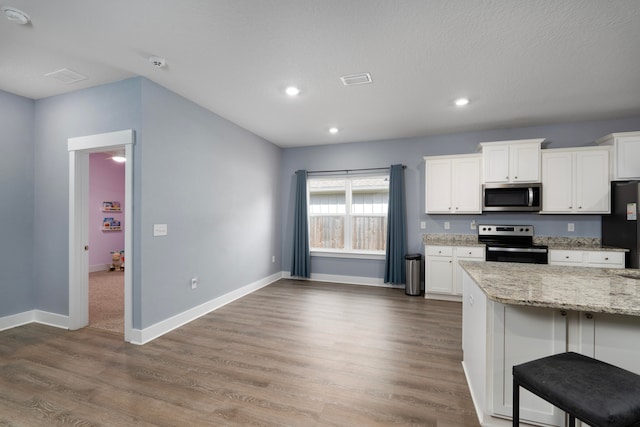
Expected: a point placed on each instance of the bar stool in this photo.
(595, 392)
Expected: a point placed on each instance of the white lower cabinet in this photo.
(602, 259)
(496, 336)
(443, 274)
(612, 338)
(521, 334)
(438, 270)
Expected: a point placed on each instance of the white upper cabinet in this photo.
(452, 184)
(576, 181)
(511, 161)
(626, 154)
(438, 185)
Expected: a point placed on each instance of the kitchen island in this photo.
(513, 313)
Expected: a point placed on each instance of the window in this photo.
(348, 213)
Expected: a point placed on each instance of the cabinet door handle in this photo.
(515, 177)
(563, 312)
(606, 258)
(570, 207)
(579, 207)
(567, 257)
(588, 315)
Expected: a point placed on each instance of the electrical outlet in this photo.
(473, 225)
(447, 225)
(423, 225)
(194, 282)
(571, 226)
(273, 258)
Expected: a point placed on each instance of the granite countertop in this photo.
(559, 243)
(597, 290)
(575, 244)
(451, 240)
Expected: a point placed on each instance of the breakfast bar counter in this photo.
(514, 313)
(597, 290)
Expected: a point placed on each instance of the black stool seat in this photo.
(595, 392)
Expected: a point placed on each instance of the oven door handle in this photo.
(521, 250)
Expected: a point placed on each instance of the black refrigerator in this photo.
(622, 228)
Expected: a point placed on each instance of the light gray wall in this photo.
(107, 108)
(411, 152)
(16, 203)
(216, 185)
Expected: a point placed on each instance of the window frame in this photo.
(348, 219)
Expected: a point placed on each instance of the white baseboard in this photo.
(99, 267)
(15, 320)
(51, 319)
(349, 280)
(443, 297)
(143, 336)
(37, 316)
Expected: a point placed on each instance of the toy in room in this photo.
(116, 261)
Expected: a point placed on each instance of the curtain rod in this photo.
(354, 170)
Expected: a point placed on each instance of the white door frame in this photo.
(79, 150)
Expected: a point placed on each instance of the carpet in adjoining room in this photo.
(106, 301)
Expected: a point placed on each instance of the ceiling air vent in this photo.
(66, 76)
(356, 79)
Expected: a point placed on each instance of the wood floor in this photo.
(292, 354)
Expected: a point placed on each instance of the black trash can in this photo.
(413, 264)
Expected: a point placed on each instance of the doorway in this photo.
(106, 240)
(80, 149)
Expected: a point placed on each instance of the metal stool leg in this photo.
(516, 403)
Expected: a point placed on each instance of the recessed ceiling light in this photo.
(461, 102)
(334, 130)
(292, 91)
(16, 15)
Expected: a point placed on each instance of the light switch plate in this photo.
(160, 230)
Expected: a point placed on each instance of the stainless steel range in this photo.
(511, 243)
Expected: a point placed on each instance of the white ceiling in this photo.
(521, 62)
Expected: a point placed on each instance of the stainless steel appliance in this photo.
(621, 228)
(512, 197)
(511, 243)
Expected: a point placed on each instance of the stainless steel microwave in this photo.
(512, 197)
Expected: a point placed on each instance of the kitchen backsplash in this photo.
(551, 241)
(567, 242)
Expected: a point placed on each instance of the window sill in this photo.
(352, 255)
